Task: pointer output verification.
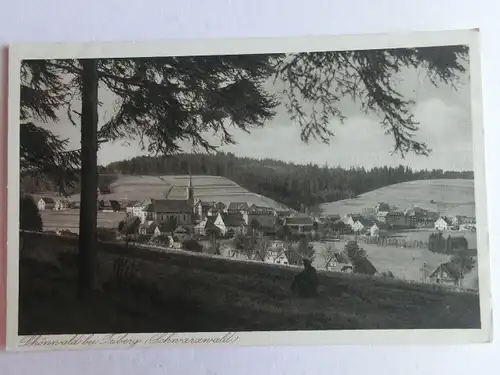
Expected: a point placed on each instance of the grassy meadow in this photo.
(450, 197)
(182, 292)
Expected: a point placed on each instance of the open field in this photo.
(209, 188)
(70, 219)
(404, 263)
(451, 197)
(177, 292)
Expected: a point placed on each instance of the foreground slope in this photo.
(449, 197)
(183, 292)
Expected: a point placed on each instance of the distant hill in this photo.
(210, 188)
(450, 197)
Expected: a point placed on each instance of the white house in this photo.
(46, 203)
(230, 224)
(361, 225)
(139, 210)
(442, 224)
(276, 256)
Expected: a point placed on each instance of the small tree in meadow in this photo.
(30, 218)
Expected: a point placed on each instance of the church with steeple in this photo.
(182, 210)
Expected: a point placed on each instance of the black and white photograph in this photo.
(330, 185)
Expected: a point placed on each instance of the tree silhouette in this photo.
(30, 218)
(165, 100)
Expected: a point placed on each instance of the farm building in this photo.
(230, 223)
(397, 219)
(447, 273)
(61, 205)
(46, 203)
(234, 207)
(109, 206)
(282, 213)
(300, 224)
(442, 224)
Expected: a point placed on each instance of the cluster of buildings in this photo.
(378, 221)
(218, 218)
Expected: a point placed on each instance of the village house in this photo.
(263, 216)
(230, 223)
(109, 206)
(201, 208)
(351, 219)
(129, 207)
(397, 219)
(338, 227)
(139, 210)
(379, 230)
(61, 205)
(448, 274)
(234, 207)
(300, 224)
(46, 203)
(282, 213)
(382, 207)
(442, 224)
(206, 227)
(361, 225)
(466, 227)
(150, 229)
(382, 216)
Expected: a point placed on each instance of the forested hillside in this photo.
(291, 184)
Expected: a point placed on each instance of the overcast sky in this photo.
(445, 125)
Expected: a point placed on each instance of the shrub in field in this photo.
(192, 245)
(387, 275)
(30, 218)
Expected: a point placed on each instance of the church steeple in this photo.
(190, 191)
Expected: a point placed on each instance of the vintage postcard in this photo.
(297, 191)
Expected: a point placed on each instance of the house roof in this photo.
(237, 205)
(205, 203)
(48, 200)
(382, 213)
(180, 229)
(169, 206)
(132, 203)
(219, 205)
(446, 220)
(299, 220)
(449, 267)
(365, 222)
(233, 220)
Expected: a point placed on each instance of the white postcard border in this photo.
(247, 46)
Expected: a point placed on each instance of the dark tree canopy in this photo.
(167, 99)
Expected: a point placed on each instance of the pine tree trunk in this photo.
(87, 276)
